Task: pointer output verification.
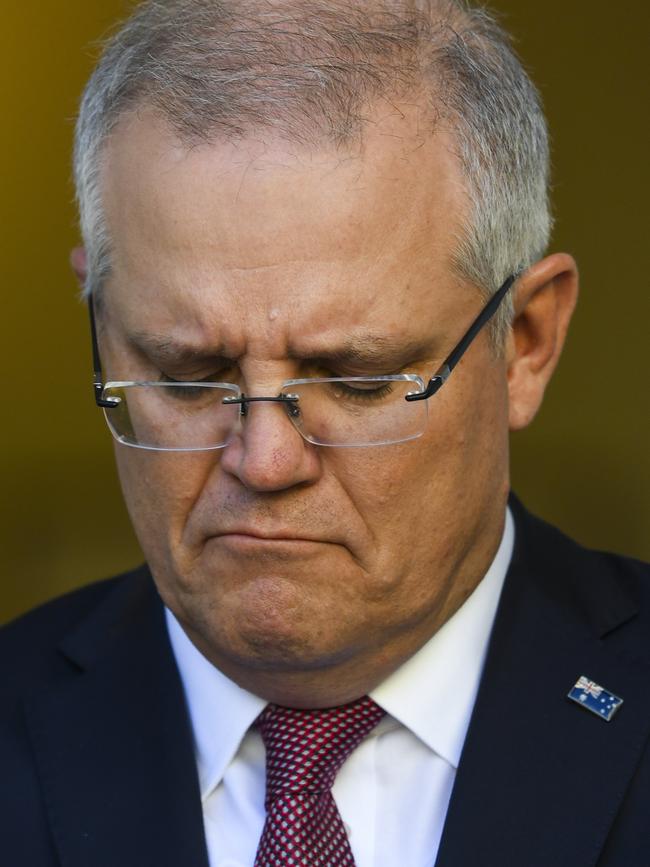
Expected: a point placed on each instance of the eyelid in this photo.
(211, 377)
(357, 368)
(227, 370)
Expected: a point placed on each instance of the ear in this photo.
(79, 262)
(545, 298)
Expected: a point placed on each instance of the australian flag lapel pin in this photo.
(595, 698)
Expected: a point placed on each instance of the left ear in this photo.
(545, 298)
(79, 263)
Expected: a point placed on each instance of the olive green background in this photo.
(584, 462)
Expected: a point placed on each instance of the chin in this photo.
(280, 619)
(263, 639)
(273, 652)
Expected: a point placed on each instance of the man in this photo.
(315, 265)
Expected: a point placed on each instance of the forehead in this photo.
(262, 235)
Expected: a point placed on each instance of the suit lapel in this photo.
(113, 744)
(540, 779)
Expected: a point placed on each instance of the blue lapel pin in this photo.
(590, 695)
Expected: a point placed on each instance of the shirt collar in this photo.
(220, 711)
(432, 694)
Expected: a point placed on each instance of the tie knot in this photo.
(306, 748)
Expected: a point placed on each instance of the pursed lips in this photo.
(269, 536)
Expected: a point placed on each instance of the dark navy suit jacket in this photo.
(96, 757)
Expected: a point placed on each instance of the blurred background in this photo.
(583, 464)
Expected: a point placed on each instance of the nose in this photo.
(268, 453)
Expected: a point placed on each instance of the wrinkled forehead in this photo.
(258, 228)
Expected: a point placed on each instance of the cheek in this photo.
(395, 495)
(160, 491)
(423, 501)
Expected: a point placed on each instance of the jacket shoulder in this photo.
(551, 536)
(609, 589)
(553, 542)
(28, 643)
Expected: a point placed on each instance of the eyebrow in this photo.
(374, 349)
(361, 349)
(165, 349)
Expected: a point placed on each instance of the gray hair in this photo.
(306, 69)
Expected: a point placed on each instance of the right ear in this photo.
(79, 262)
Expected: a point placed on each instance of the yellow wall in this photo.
(583, 464)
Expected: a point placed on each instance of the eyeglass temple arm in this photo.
(444, 371)
(98, 381)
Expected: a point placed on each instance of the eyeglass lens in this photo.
(173, 416)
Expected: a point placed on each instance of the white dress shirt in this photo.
(394, 789)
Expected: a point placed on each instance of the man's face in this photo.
(276, 263)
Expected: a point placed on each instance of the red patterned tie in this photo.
(304, 751)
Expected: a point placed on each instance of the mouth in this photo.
(265, 536)
(256, 544)
(256, 539)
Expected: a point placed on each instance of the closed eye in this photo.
(192, 390)
(362, 391)
(225, 375)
